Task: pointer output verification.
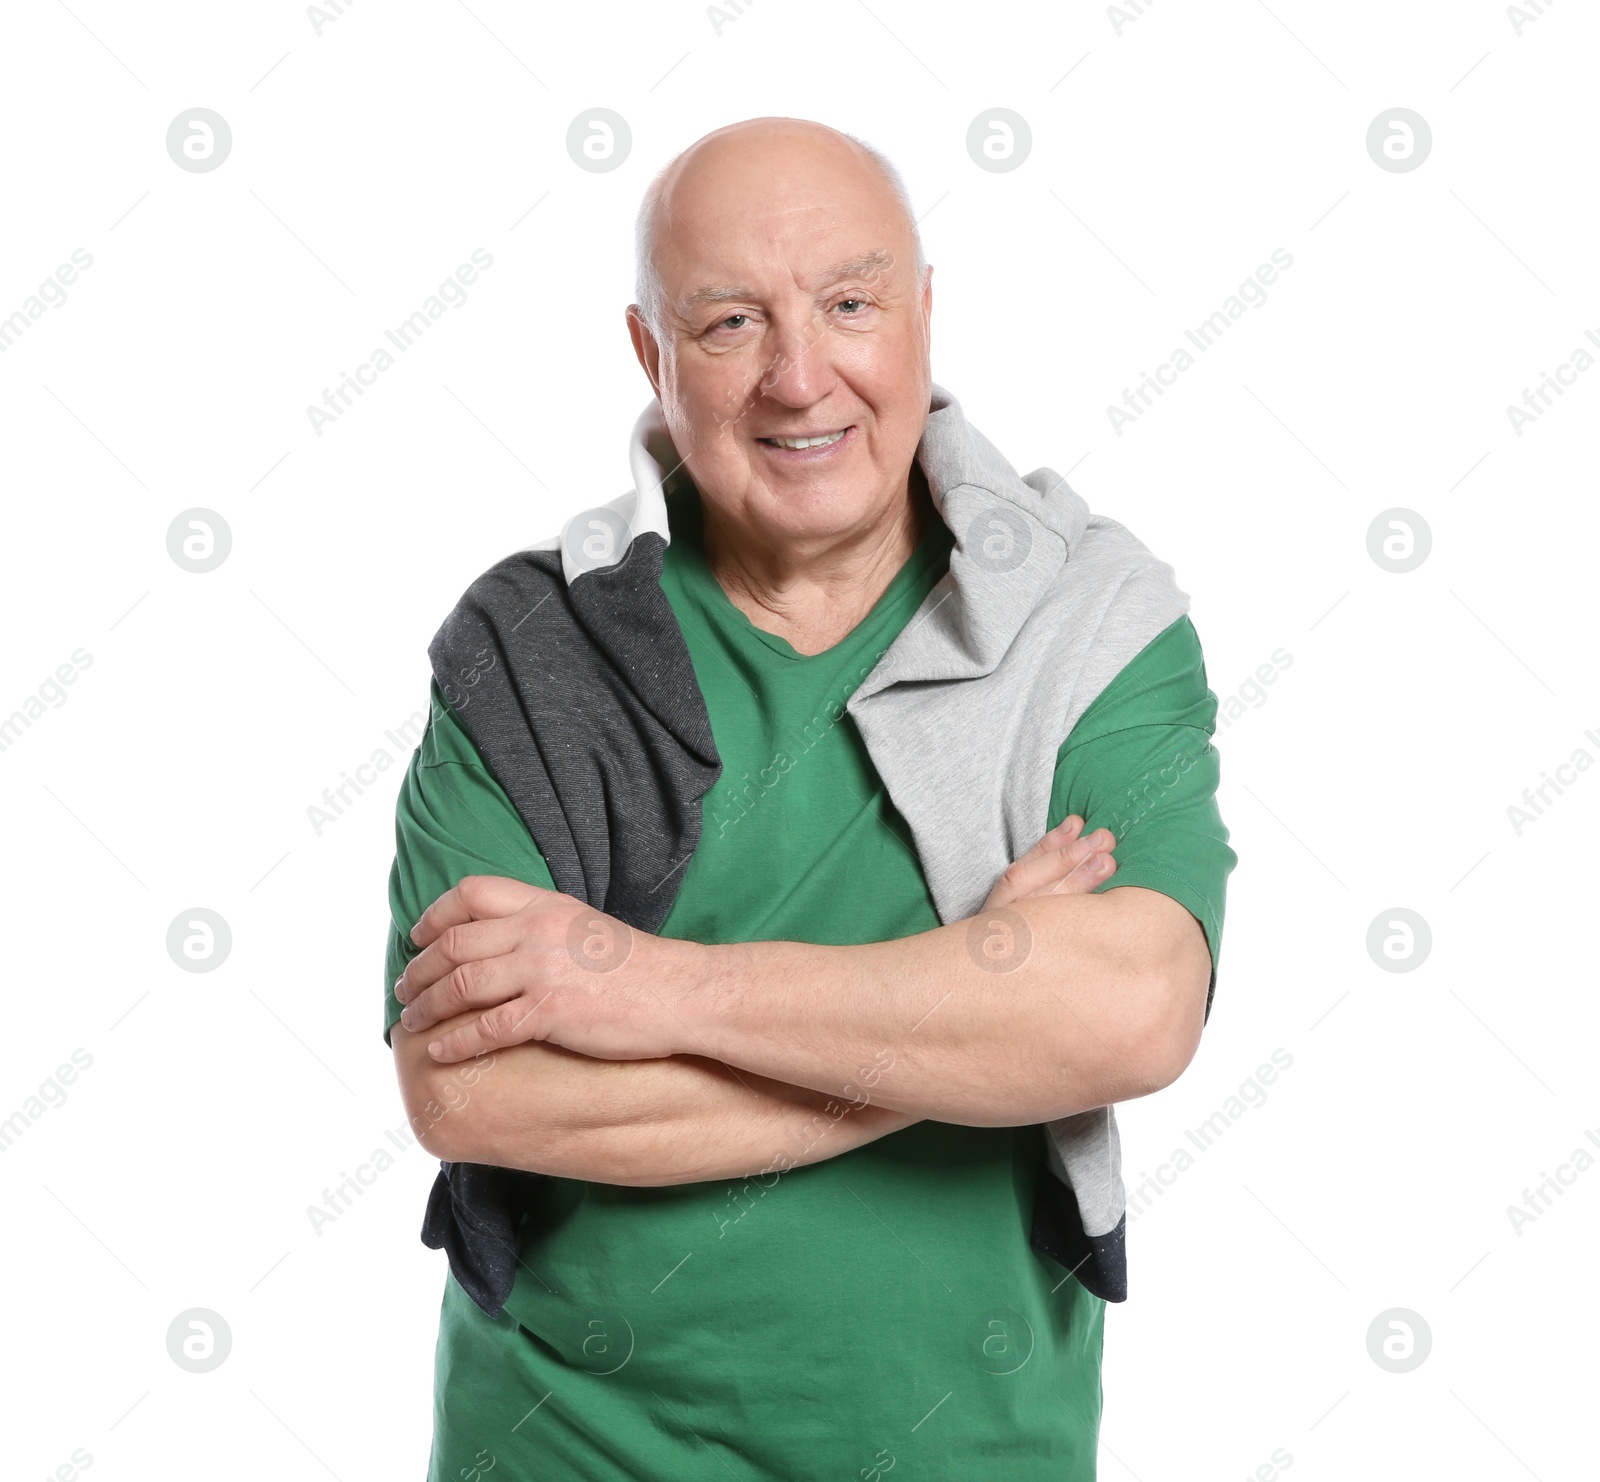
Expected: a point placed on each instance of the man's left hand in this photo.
(542, 966)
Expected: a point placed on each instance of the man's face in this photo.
(791, 309)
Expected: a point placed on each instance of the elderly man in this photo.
(768, 1048)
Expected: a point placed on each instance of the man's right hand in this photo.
(1059, 864)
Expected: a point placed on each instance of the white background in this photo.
(1171, 154)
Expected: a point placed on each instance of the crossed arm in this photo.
(685, 1062)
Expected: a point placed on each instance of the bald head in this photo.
(756, 162)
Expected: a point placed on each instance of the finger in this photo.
(511, 1024)
(1087, 876)
(467, 941)
(1057, 838)
(1036, 871)
(1076, 870)
(1063, 833)
(473, 898)
(474, 985)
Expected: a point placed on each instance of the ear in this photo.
(645, 348)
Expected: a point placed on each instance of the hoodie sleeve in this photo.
(1140, 762)
(452, 819)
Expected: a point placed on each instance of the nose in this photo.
(801, 372)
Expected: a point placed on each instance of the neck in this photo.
(814, 600)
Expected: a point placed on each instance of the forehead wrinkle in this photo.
(859, 266)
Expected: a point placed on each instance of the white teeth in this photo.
(806, 442)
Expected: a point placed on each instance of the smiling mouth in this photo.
(821, 440)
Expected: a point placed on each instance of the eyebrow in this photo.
(865, 264)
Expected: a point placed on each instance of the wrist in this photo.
(688, 975)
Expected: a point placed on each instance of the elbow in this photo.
(1140, 1028)
(439, 1100)
(439, 1134)
(1169, 1029)
(442, 1130)
(490, 1110)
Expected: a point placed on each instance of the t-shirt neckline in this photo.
(685, 523)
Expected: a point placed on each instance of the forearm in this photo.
(1081, 1015)
(678, 1119)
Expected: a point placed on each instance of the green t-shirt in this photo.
(879, 1309)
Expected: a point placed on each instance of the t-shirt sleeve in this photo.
(452, 819)
(1140, 762)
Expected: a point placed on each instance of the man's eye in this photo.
(842, 302)
(723, 324)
